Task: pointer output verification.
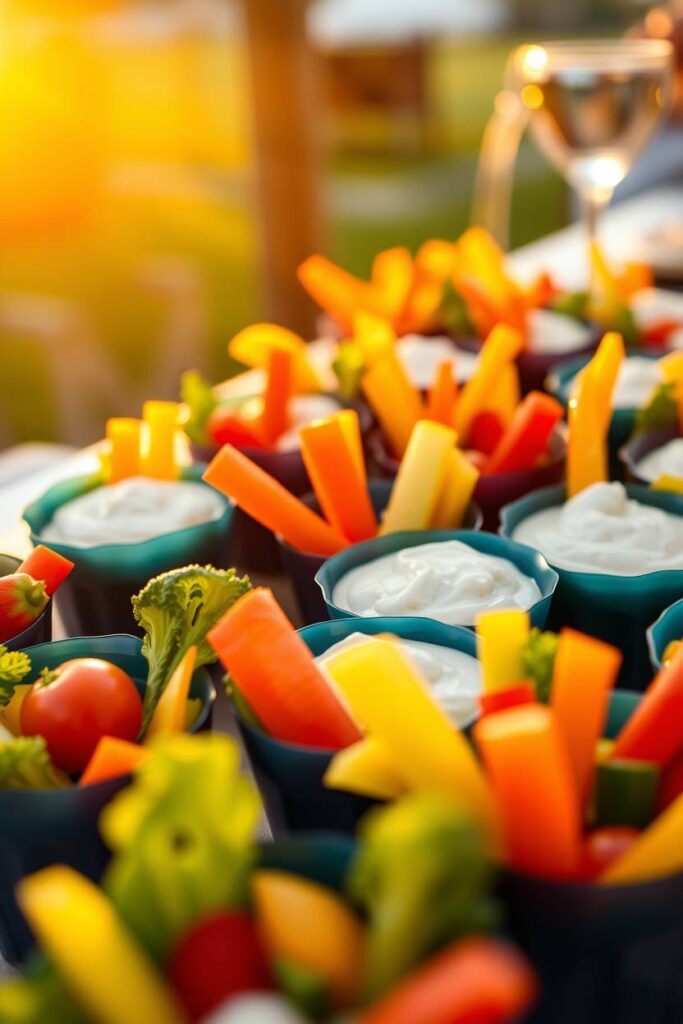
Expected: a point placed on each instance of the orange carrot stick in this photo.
(275, 672)
(277, 396)
(442, 395)
(271, 504)
(331, 464)
(337, 292)
(112, 758)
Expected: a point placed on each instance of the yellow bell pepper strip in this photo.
(528, 767)
(657, 853)
(310, 926)
(374, 336)
(338, 293)
(158, 459)
(506, 395)
(392, 278)
(350, 424)
(456, 492)
(605, 295)
(253, 345)
(437, 258)
(476, 979)
(482, 262)
(171, 711)
(367, 768)
(101, 963)
(442, 395)
(585, 672)
(388, 698)
(332, 465)
(590, 412)
(604, 369)
(499, 350)
(279, 389)
(420, 478)
(266, 500)
(501, 639)
(112, 758)
(668, 483)
(123, 458)
(395, 401)
(671, 367)
(654, 732)
(10, 714)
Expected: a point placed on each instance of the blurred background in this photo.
(165, 165)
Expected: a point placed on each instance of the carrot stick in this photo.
(331, 464)
(393, 273)
(442, 395)
(47, 565)
(395, 401)
(275, 672)
(112, 758)
(527, 436)
(278, 393)
(337, 292)
(473, 981)
(123, 434)
(654, 732)
(271, 504)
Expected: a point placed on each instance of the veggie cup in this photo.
(637, 448)
(605, 954)
(559, 384)
(289, 776)
(617, 609)
(40, 631)
(495, 490)
(96, 598)
(666, 630)
(526, 559)
(302, 566)
(59, 826)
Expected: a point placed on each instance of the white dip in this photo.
(421, 357)
(131, 511)
(447, 581)
(551, 333)
(653, 305)
(664, 461)
(637, 379)
(453, 677)
(603, 530)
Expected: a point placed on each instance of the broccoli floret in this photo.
(422, 876)
(200, 401)
(14, 666)
(25, 764)
(176, 611)
(538, 658)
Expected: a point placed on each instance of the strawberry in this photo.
(22, 599)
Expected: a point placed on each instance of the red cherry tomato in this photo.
(81, 701)
(604, 845)
(221, 956)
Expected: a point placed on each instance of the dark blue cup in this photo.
(43, 827)
(617, 609)
(604, 954)
(290, 777)
(528, 561)
(559, 383)
(667, 629)
(302, 568)
(96, 597)
(638, 447)
(40, 631)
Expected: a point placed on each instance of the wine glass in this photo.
(591, 105)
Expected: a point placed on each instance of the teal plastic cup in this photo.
(604, 954)
(289, 776)
(96, 596)
(529, 562)
(40, 827)
(559, 383)
(40, 631)
(617, 609)
(667, 629)
(637, 448)
(302, 567)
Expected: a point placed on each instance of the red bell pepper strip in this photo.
(526, 439)
(670, 783)
(500, 700)
(658, 333)
(475, 981)
(654, 732)
(274, 670)
(226, 427)
(47, 565)
(485, 433)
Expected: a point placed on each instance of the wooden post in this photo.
(284, 91)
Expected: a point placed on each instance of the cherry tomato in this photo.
(604, 845)
(80, 702)
(221, 956)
